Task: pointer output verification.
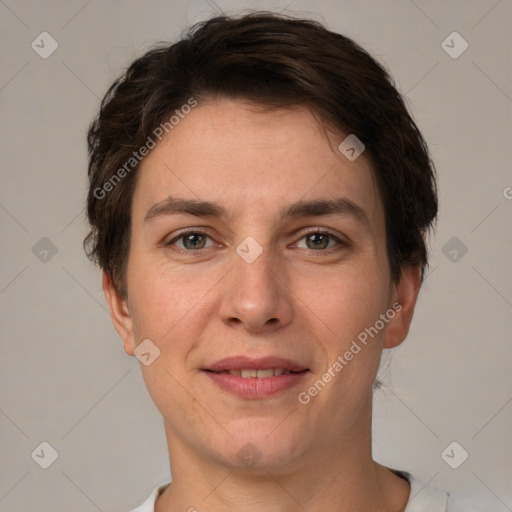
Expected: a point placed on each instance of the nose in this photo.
(255, 295)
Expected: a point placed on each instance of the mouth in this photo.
(255, 378)
(248, 373)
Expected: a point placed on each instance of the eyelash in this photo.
(193, 252)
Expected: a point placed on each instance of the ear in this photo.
(120, 314)
(404, 295)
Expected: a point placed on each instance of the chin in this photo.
(261, 445)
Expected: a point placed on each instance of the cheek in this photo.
(156, 298)
(352, 300)
(168, 307)
(167, 310)
(350, 309)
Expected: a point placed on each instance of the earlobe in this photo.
(119, 313)
(405, 295)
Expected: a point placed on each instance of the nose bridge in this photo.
(256, 294)
(254, 263)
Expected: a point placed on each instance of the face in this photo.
(253, 297)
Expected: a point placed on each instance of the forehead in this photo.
(253, 161)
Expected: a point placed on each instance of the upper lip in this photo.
(246, 363)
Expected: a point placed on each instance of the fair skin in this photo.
(299, 300)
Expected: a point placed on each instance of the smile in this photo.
(250, 373)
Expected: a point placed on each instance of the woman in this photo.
(259, 202)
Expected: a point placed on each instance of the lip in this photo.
(244, 362)
(255, 387)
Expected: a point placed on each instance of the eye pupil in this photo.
(319, 240)
(190, 239)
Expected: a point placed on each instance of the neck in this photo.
(340, 476)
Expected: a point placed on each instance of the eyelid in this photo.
(318, 229)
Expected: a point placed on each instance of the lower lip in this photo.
(253, 387)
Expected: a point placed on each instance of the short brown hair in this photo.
(276, 61)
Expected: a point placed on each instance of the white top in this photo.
(421, 498)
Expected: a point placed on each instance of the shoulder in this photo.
(149, 504)
(424, 498)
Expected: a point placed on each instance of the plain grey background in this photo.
(65, 378)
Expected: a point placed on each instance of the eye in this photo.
(321, 240)
(191, 241)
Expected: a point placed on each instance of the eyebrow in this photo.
(313, 208)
